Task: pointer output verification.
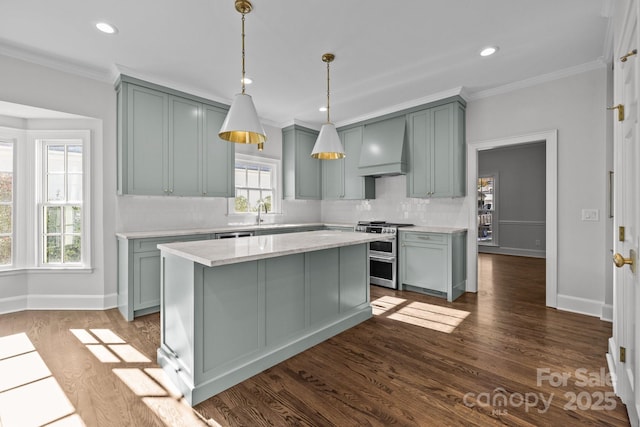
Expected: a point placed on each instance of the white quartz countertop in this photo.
(221, 229)
(430, 229)
(229, 251)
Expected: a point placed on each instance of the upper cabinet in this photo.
(302, 173)
(168, 143)
(436, 151)
(340, 178)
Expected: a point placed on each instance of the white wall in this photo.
(29, 84)
(575, 106)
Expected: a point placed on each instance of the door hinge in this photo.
(623, 354)
(621, 233)
(620, 109)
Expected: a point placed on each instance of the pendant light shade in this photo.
(328, 145)
(242, 125)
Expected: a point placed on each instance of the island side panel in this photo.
(323, 278)
(285, 298)
(352, 275)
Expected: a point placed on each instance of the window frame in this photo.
(66, 138)
(12, 142)
(274, 165)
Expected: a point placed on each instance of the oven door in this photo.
(386, 247)
(382, 271)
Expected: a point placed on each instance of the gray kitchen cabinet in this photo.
(433, 263)
(437, 152)
(302, 173)
(168, 143)
(143, 119)
(272, 230)
(139, 273)
(340, 178)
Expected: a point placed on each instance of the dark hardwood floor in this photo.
(492, 358)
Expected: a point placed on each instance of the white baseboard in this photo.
(580, 305)
(607, 313)
(501, 250)
(58, 302)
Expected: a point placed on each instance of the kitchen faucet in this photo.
(261, 204)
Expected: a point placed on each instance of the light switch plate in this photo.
(590, 215)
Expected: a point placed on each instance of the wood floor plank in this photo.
(382, 372)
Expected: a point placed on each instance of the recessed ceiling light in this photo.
(323, 108)
(489, 50)
(106, 28)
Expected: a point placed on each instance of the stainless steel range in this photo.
(383, 254)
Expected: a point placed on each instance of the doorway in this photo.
(551, 205)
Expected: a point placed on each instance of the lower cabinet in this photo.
(139, 273)
(267, 231)
(433, 263)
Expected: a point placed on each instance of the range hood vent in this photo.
(382, 152)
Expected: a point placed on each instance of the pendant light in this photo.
(328, 145)
(242, 124)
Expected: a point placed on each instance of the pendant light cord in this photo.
(328, 120)
(243, 53)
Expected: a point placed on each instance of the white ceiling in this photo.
(388, 53)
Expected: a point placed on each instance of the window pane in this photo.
(54, 220)
(72, 248)
(75, 188)
(252, 178)
(5, 250)
(254, 197)
(5, 219)
(55, 187)
(6, 157)
(52, 252)
(74, 158)
(265, 178)
(241, 177)
(267, 196)
(72, 219)
(6, 186)
(55, 158)
(242, 202)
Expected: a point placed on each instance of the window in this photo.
(487, 210)
(61, 207)
(6, 204)
(255, 185)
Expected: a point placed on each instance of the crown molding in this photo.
(543, 78)
(56, 63)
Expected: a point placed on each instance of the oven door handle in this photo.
(382, 258)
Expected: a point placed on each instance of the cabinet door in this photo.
(218, 156)
(355, 186)
(333, 183)
(425, 266)
(147, 141)
(308, 169)
(419, 153)
(146, 279)
(185, 167)
(442, 151)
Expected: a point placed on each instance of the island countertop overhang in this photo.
(211, 253)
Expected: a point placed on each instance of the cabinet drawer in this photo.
(424, 237)
(146, 245)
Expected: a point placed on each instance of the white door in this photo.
(624, 346)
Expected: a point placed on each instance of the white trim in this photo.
(607, 313)
(551, 221)
(58, 302)
(276, 202)
(544, 78)
(13, 304)
(505, 250)
(586, 306)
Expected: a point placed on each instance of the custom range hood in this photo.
(382, 152)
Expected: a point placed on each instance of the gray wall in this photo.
(520, 198)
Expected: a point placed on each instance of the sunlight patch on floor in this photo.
(435, 317)
(151, 384)
(26, 383)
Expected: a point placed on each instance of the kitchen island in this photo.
(232, 308)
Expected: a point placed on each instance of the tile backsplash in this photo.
(391, 204)
(148, 213)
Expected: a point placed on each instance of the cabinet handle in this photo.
(171, 191)
(166, 190)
